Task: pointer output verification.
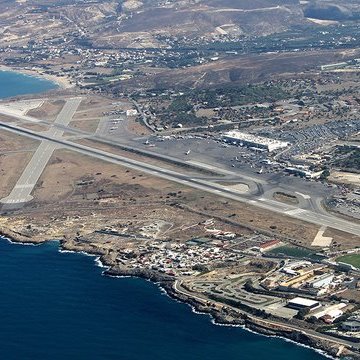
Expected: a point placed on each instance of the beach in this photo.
(63, 82)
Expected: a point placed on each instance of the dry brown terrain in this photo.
(13, 142)
(234, 70)
(135, 127)
(342, 177)
(36, 127)
(89, 124)
(342, 240)
(66, 169)
(47, 111)
(78, 187)
(9, 173)
(286, 198)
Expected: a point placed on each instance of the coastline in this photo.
(61, 81)
(219, 316)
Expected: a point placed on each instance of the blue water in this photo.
(13, 84)
(58, 306)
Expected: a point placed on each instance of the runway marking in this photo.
(24, 186)
(321, 240)
(35, 167)
(295, 211)
(222, 171)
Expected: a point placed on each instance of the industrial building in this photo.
(270, 245)
(322, 280)
(299, 303)
(330, 313)
(238, 138)
(303, 172)
(312, 280)
(333, 66)
(352, 324)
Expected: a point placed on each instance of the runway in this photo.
(21, 193)
(78, 134)
(198, 183)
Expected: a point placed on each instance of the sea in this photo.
(57, 305)
(14, 83)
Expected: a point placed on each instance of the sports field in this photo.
(352, 259)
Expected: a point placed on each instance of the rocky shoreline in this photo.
(219, 317)
(166, 282)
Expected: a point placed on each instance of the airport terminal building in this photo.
(239, 138)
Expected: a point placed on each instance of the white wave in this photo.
(244, 327)
(120, 276)
(213, 321)
(13, 242)
(97, 260)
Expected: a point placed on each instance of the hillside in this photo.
(135, 23)
(333, 10)
(203, 19)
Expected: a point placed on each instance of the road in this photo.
(197, 183)
(143, 117)
(21, 192)
(267, 322)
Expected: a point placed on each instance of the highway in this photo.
(31, 174)
(197, 183)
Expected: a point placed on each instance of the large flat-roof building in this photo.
(302, 303)
(240, 138)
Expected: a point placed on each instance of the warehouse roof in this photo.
(303, 302)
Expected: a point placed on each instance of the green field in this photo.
(353, 259)
(295, 252)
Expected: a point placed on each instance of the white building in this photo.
(303, 172)
(239, 138)
(302, 303)
(131, 112)
(321, 281)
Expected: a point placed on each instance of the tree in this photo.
(302, 313)
(325, 174)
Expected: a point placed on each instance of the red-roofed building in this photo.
(269, 245)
